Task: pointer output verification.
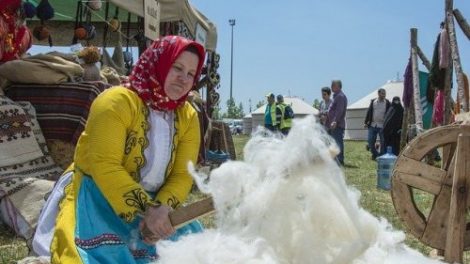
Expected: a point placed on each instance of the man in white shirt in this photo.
(375, 121)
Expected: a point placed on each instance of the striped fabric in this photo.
(62, 109)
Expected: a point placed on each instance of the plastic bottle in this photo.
(385, 165)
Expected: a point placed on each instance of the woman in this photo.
(130, 164)
(392, 125)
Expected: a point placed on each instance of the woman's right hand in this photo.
(156, 224)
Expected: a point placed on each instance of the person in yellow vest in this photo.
(130, 165)
(270, 113)
(284, 115)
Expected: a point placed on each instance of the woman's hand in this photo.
(156, 224)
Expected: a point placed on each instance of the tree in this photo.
(233, 111)
(259, 104)
(316, 104)
(231, 108)
(216, 114)
(241, 113)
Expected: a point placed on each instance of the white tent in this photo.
(176, 10)
(356, 112)
(300, 108)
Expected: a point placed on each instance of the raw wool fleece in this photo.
(293, 207)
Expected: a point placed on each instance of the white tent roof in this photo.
(298, 105)
(393, 88)
(175, 10)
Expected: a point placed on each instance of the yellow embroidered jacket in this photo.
(111, 151)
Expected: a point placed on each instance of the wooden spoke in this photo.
(420, 169)
(457, 221)
(422, 183)
(435, 232)
(447, 156)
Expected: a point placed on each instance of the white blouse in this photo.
(158, 153)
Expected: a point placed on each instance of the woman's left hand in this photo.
(156, 224)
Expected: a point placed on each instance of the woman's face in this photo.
(181, 76)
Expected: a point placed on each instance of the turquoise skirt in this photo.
(103, 237)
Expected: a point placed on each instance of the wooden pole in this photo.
(455, 53)
(456, 225)
(423, 58)
(462, 22)
(404, 129)
(416, 92)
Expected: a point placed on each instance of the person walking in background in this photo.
(392, 125)
(336, 118)
(284, 115)
(324, 104)
(375, 122)
(270, 113)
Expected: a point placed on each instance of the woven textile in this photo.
(22, 204)
(62, 109)
(17, 141)
(25, 185)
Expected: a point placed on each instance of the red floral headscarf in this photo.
(149, 74)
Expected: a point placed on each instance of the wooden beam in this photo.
(404, 129)
(456, 225)
(462, 22)
(455, 54)
(416, 92)
(423, 58)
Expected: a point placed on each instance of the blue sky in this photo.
(297, 47)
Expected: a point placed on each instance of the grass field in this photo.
(360, 172)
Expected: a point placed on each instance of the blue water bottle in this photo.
(385, 164)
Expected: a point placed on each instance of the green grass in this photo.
(360, 172)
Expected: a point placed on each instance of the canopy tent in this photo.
(356, 112)
(63, 23)
(299, 106)
(176, 10)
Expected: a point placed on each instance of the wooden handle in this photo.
(188, 213)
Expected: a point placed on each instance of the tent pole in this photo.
(462, 22)
(455, 54)
(416, 91)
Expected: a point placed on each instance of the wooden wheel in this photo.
(411, 172)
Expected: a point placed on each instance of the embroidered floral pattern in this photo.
(143, 142)
(104, 239)
(137, 199)
(14, 125)
(131, 142)
(173, 202)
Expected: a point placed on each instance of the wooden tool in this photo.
(190, 212)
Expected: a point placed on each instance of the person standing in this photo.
(324, 104)
(374, 122)
(284, 115)
(392, 125)
(336, 121)
(270, 113)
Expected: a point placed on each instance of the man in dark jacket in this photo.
(375, 122)
(336, 120)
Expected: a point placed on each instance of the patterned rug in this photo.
(24, 184)
(62, 109)
(17, 140)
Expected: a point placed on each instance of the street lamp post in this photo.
(232, 23)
